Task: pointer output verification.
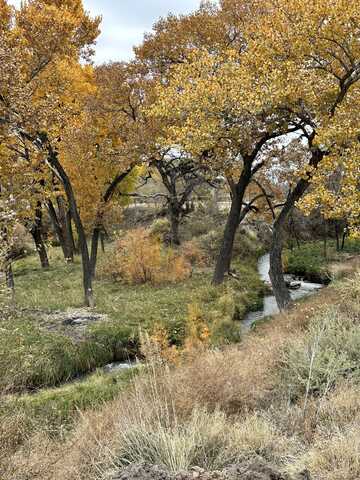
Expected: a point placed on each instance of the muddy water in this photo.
(270, 305)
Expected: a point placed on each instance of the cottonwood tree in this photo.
(307, 59)
(209, 120)
(41, 45)
(180, 176)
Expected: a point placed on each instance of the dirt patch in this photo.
(245, 471)
(72, 322)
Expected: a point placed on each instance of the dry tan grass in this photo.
(236, 391)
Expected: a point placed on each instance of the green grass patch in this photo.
(328, 353)
(56, 410)
(31, 357)
(39, 353)
(309, 260)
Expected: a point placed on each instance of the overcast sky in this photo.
(125, 21)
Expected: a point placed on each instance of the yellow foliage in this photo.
(140, 258)
(197, 330)
(157, 347)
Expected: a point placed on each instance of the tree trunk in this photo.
(281, 292)
(337, 236)
(56, 225)
(94, 249)
(36, 232)
(174, 225)
(102, 239)
(56, 166)
(223, 262)
(343, 239)
(60, 224)
(280, 289)
(325, 239)
(234, 219)
(9, 277)
(70, 233)
(66, 230)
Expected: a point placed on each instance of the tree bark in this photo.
(223, 262)
(61, 227)
(70, 234)
(36, 232)
(345, 232)
(325, 240)
(56, 166)
(281, 292)
(64, 219)
(102, 239)
(9, 274)
(337, 236)
(174, 225)
(94, 249)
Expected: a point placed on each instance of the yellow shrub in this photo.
(139, 258)
(157, 349)
(197, 330)
(194, 254)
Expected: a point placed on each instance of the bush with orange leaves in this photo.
(139, 257)
(158, 349)
(194, 254)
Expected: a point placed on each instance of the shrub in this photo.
(308, 262)
(193, 254)
(119, 340)
(246, 244)
(329, 352)
(160, 228)
(140, 258)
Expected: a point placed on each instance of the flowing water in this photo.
(270, 305)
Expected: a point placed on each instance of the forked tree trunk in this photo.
(64, 234)
(56, 166)
(281, 292)
(98, 229)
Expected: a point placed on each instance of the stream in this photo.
(270, 305)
